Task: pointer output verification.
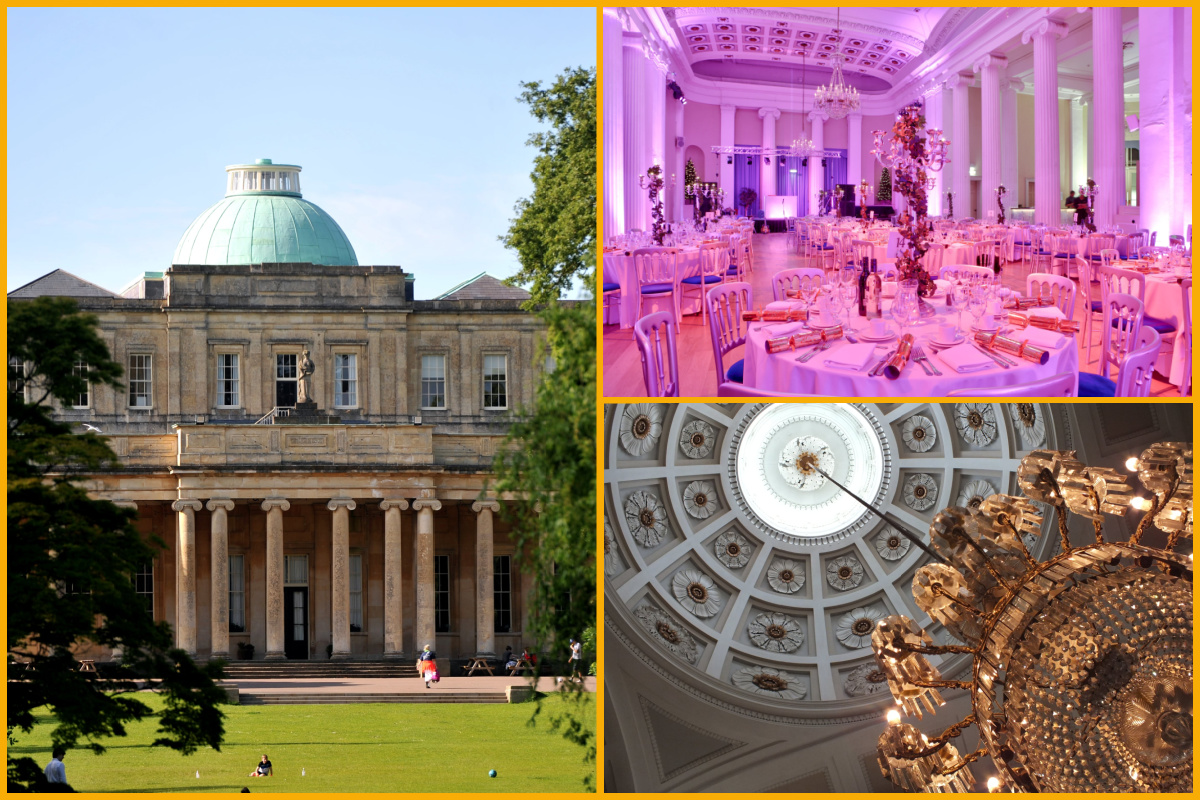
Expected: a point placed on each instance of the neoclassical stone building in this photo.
(312, 445)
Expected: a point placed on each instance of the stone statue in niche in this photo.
(304, 378)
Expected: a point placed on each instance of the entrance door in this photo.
(295, 621)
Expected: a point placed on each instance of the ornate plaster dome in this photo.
(264, 220)
(765, 602)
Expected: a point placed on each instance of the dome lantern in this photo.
(263, 177)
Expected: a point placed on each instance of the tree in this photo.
(71, 558)
(884, 195)
(554, 231)
(689, 180)
(746, 198)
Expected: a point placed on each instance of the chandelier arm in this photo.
(936, 649)
(1008, 523)
(964, 685)
(1060, 507)
(940, 741)
(886, 518)
(967, 759)
(940, 590)
(1155, 507)
(987, 562)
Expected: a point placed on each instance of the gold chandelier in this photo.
(1081, 675)
(837, 99)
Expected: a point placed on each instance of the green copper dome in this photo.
(264, 219)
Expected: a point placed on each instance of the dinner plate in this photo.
(939, 343)
(867, 337)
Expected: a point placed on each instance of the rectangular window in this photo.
(143, 584)
(16, 376)
(345, 380)
(502, 592)
(249, 178)
(495, 381)
(267, 181)
(233, 181)
(441, 593)
(285, 380)
(433, 381)
(141, 380)
(356, 611)
(237, 594)
(285, 182)
(84, 398)
(227, 380)
(295, 570)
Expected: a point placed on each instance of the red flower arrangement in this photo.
(914, 220)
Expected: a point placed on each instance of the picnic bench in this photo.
(479, 663)
(522, 663)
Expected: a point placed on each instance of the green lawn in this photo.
(369, 747)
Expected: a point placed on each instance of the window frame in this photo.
(362, 622)
(236, 380)
(80, 370)
(497, 592)
(275, 379)
(422, 379)
(145, 570)
(338, 396)
(149, 381)
(238, 593)
(484, 382)
(441, 593)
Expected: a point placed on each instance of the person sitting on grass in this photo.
(264, 769)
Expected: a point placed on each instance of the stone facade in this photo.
(387, 499)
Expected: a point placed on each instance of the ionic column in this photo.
(219, 603)
(934, 119)
(636, 133)
(614, 134)
(485, 597)
(816, 173)
(185, 574)
(1165, 120)
(340, 583)
(677, 205)
(1008, 141)
(854, 148)
(960, 145)
(1047, 190)
(393, 579)
(768, 116)
(275, 506)
(726, 163)
(1079, 142)
(1108, 112)
(990, 67)
(656, 126)
(426, 627)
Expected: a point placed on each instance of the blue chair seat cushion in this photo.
(656, 288)
(1161, 325)
(611, 287)
(735, 371)
(696, 280)
(1093, 385)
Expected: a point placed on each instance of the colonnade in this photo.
(424, 505)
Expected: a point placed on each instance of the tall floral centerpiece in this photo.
(864, 193)
(1089, 192)
(1000, 192)
(911, 157)
(950, 204)
(652, 182)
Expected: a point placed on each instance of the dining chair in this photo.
(1096, 244)
(612, 294)
(792, 279)
(1060, 385)
(966, 270)
(734, 270)
(863, 249)
(1063, 248)
(1135, 375)
(1120, 329)
(1109, 257)
(726, 303)
(1060, 290)
(1119, 279)
(714, 269)
(660, 370)
(658, 275)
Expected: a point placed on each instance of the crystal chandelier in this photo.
(802, 146)
(1081, 678)
(837, 99)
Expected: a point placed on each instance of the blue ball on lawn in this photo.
(491, 773)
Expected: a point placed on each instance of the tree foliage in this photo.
(70, 562)
(884, 195)
(554, 231)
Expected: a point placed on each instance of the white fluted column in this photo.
(219, 575)
(678, 210)
(1108, 112)
(485, 590)
(1048, 196)
(1079, 142)
(340, 579)
(727, 180)
(275, 506)
(990, 68)
(769, 117)
(935, 118)
(1164, 117)
(854, 148)
(960, 145)
(426, 629)
(185, 574)
(816, 173)
(393, 579)
(656, 121)
(1009, 154)
(636, 132)
(614, 133)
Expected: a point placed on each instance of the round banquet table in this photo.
(1164, 299)
(619, 268)
(1087, 246)
(780, 372)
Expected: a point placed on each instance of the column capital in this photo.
(125, 504)
(632, 39)
(431, 503)
(219, 502)
(387, 505)
(490, 505)
(817, 116)
(958, 79)
(1045, 27)
(272, 503)
(990, 60)
(341, 502)
(855, 116)
(187, 505)
(1015, 85)
(1084, 99)
(773, 113)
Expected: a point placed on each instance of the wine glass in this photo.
(976, 303)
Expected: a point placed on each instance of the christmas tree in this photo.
(689, 179)
(884, 195)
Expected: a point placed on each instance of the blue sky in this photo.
(406, 122)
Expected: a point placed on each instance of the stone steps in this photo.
(433, 696)
(267, 670)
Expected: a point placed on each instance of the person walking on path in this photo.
(55, 771)
(427, 666)
(575, 659)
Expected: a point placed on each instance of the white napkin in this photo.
(964, 358)
(854, 357)
(784, 305)
(1040, 338)
(889, 288)
(1051, 312)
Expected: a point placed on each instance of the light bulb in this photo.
(1139, 503)
(893, 717)
(993, 784)
(1131, 464)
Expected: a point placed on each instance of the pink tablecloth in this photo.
(780, 372)
(1164, 299)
